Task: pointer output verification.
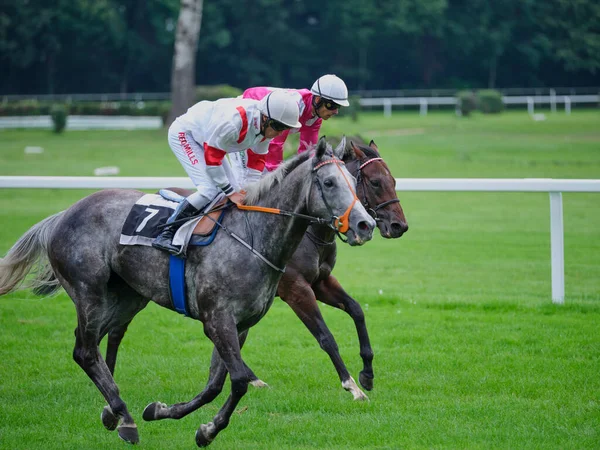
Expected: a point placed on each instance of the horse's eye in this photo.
(328, 183)
(375, 183)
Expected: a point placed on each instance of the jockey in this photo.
(319, 103)
(202, 137)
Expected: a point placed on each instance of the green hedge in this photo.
(352, 110)
(216, 92)
(467, 102)
(113, 108)
(59, 115)
(35, 108)
(490, 101)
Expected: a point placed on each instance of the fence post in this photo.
(423, 108)
(530, 106)
(557, 250)
(567, 105)
(387, 107)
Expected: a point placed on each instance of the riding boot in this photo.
(164, 241)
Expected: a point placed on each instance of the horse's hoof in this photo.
(366, 381)
(129, 433)
(259, 384)
(151, 411)
(202, 439)
(109, 420)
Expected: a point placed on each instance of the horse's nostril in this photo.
(364, 226)
(399, 228)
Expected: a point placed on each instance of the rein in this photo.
(340, 224)
(284, 213)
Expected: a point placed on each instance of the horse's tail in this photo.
(31, 249)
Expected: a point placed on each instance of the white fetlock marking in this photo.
(351, 386)
(259, 384)
(208, 430)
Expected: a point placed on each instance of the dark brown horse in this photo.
(308, 277)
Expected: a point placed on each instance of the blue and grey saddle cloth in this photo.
(151, 211)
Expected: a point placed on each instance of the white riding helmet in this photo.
(332, 88)
(281, 106)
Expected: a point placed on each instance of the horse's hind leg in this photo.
(300, 297)
(114, 338)
(96, 308)
(87, 355)
(216, 380)
(330, 292)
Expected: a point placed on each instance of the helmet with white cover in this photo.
(331, 87)
(281, 106)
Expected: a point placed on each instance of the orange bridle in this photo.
(341, 223)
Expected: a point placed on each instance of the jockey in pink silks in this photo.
(319, 103)
(207, 132)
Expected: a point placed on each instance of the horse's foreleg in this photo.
(330, 292)
(221, 329)
(216, 380)
(301, 298)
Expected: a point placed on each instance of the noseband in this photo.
(360, 180)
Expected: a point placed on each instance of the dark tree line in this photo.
(94, 46)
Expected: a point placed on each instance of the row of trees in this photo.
(78, 46)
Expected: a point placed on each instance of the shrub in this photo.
(216, 92)
(490, 101)
(467, 102)
(59, 117)
(352, 110)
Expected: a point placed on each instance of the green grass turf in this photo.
(469, 350)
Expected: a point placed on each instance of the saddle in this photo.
(149, 214)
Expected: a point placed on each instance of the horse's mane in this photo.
(256, 190)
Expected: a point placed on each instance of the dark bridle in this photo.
(361, 181)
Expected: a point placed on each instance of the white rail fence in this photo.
(555, 187)
(530, 100)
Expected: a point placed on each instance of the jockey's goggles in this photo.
(330, 105)
(278, 126)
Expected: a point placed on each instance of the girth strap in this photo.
(177, 284)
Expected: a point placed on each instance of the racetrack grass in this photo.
(469, 350)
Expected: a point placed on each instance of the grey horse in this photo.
(229, 288)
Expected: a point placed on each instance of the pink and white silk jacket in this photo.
(309, 132)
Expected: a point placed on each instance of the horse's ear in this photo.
(357, 151)
(349, 153)
(339, 150)
(321, 147)
(374, 146)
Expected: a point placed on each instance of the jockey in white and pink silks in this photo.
(207, 132)
(319, 103)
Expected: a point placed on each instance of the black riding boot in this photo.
(164, 241)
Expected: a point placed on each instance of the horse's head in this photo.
(334, 194)
(376, 188)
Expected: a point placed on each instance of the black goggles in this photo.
(278, 126)
(331, 106)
